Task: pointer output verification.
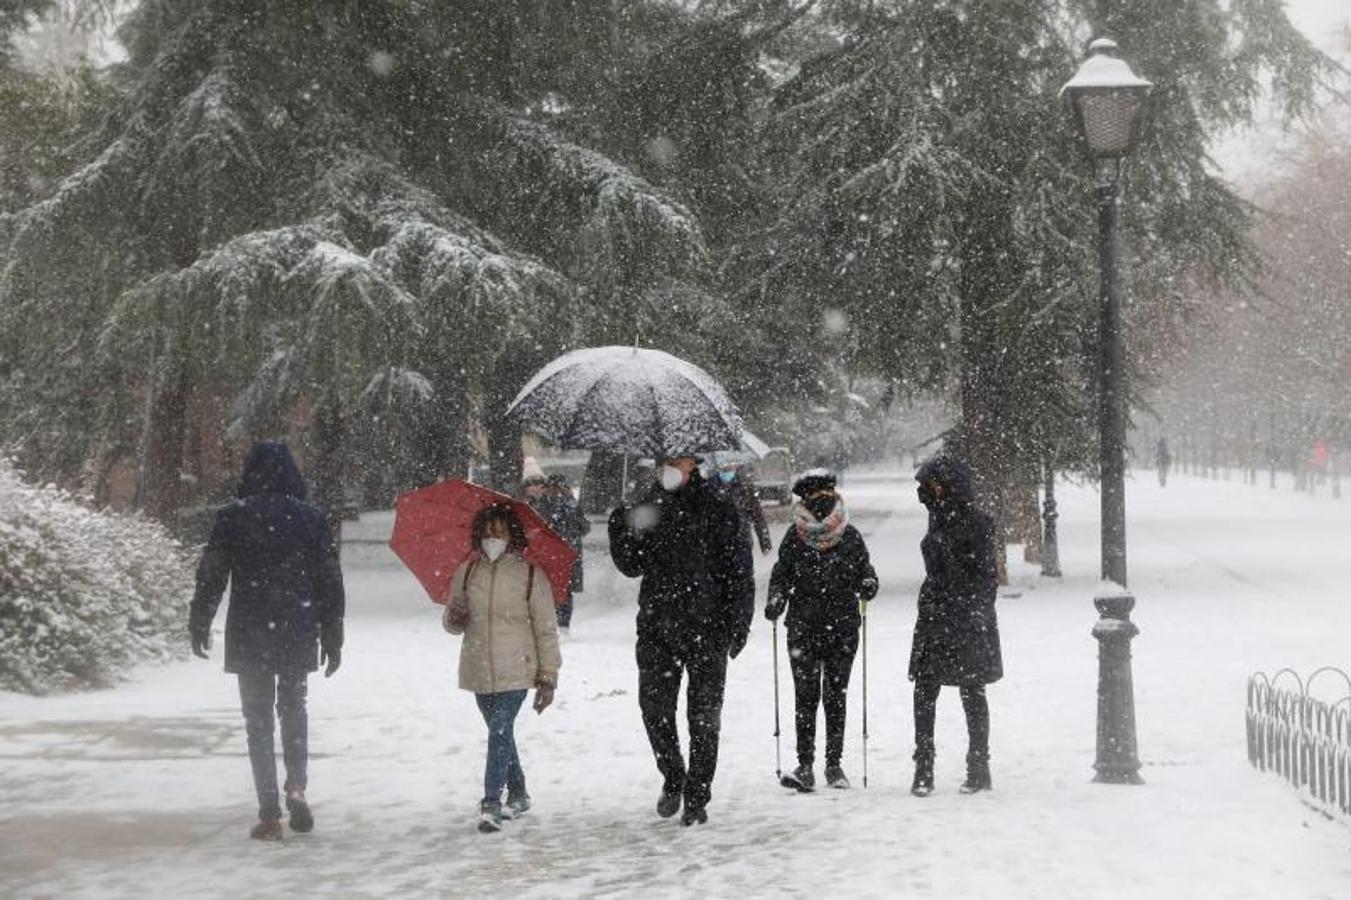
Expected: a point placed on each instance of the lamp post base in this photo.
(1118, 761)
(1114, 777)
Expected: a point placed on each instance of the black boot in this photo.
(923, 784)
(490, 816)
(694, 815)
(801, 779)
(301, 819)
(668, 804)
(517, 804)
(977, 773)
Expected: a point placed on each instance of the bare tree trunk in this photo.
(443, 449)
(162, 448)
(1029, 523)
(329, 469)
(983, 283)
(504, 450)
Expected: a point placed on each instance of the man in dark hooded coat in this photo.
(684, 539)
(286, 609)
(956, 634)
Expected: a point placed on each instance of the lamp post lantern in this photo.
(1107, 102)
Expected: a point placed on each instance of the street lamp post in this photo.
(1050, 544)
(1107, 101)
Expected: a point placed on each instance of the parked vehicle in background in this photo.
(774, 476)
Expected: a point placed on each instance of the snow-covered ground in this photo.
(145, 790)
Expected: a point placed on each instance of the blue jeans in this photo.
(504, 764)
(258, 691)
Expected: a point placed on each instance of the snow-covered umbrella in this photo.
(628, 400)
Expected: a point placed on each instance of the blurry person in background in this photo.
(1163, 460)
(552, 498)
(285, 618)
(735, 480)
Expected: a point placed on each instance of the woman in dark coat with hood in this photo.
(279, 558)
(956, 634)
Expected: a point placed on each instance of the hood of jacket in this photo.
(270, 469)
(953, 474)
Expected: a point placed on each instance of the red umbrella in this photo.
(433, 530)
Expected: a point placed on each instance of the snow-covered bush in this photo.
(83, 594)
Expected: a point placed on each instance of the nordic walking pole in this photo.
(778, 756)
(863, 611)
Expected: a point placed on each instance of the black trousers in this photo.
(975, 706)
(660, 665)
(258, 691)
(820, 678)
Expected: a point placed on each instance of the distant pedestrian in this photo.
(503, 607)
(285, 618)
(735, 481)
(822, 575)
(1163, 459)
(551, 497)
(695, 605)
(956, 638)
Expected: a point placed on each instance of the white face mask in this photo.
(672, 478)
(493, 548)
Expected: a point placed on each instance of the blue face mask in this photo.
(727, 477)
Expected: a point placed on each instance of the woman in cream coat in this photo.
(503, 607)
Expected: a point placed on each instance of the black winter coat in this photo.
(956, 638)
(565, 517)
(823, 589)
(689, 548)
(278, 555)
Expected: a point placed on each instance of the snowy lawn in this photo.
(145, 790)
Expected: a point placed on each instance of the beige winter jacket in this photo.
(510, 643)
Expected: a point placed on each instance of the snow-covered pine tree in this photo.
(932, 191)
(334, 199)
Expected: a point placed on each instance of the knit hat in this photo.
(531, 471)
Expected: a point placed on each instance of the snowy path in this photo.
(145, 790)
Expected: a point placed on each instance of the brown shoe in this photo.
(266, 830)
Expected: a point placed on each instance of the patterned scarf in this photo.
(823, 534)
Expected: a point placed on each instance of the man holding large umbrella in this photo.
(684, 539)
(681, 536)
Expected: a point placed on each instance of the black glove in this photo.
(868, 589)
(775, 606)
(332, 657)
(737, 644)
(201, 639)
